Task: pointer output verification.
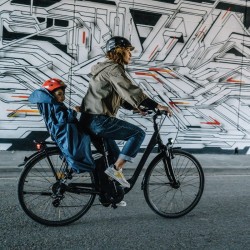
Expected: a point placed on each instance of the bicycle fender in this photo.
(27, 158)
(33, 156)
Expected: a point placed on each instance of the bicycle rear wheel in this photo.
(166, 199)
(45, 198)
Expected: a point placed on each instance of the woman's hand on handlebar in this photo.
(160, 108)
(166, 109)
(142, 111)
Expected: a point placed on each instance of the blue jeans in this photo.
(111, 129)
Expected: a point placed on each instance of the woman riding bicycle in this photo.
(109, 89)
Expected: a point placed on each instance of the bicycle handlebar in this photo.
(146, 111)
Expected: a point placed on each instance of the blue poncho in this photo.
(62, 125)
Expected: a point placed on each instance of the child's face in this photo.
(59, 95)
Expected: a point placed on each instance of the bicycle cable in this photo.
(178, 128)
(163, 118)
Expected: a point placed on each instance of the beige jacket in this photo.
(109, 87)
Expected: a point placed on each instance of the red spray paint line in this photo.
(149, 74)
(214, 122)
(229, 9)
(174, 104)
(163, 70)
(231, 80)
(84, 37)
(171, 42)
(153, 52)
(20, 96)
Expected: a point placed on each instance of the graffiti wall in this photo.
(192, 55)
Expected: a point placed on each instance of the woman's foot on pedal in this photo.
(117, 175)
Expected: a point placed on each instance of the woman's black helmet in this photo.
(118, 41)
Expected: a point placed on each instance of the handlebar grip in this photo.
(147, 111)
(162, 112)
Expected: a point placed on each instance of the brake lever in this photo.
(162, 112)
(142, 111)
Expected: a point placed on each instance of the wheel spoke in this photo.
(45, 199)
(174, 199)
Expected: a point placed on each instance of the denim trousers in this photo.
(111, 129)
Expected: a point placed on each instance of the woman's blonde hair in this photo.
(117, 55)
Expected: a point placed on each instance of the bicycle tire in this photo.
(35, 191)
(168, 201)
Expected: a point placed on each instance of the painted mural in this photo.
(193, 55)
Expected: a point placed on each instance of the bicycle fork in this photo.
(167, 162)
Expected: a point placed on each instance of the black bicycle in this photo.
(52, 194)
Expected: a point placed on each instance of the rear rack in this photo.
(40, 145)
(45, 142)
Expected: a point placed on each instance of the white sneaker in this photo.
(121, 204)
(118, 176)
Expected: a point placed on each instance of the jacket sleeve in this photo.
(126, 105)
(149, 103)
(128, 91)
(64, 115)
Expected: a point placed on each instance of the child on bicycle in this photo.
(62, 125)
(109, 89)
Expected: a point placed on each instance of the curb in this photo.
(211, 163)
(10, 171)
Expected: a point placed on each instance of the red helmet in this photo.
(53, 84)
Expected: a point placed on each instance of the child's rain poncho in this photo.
(61, 123)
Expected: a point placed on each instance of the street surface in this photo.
(221, 220)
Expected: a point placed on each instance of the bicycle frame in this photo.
(155, 139)
(170, 177)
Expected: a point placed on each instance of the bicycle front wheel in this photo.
(42, 191)
(174, 200)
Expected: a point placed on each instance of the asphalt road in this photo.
(220, 221)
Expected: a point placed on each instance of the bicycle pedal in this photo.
(120, 204)
(114, 206)
(105, 204)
